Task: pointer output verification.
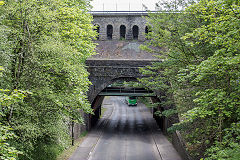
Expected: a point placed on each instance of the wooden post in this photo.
(72, 132)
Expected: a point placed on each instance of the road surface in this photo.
(125, 133)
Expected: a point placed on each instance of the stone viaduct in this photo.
(119, 58)
(119, 55)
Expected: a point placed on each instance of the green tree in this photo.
(7, 99)
(199, 73)
(44, 45)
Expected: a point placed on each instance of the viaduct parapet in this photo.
(120, 25)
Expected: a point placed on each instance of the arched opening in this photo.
(122, 32)
(97, 29)
(120, 88)
(135, 32)
(109, 31)
(146, 30)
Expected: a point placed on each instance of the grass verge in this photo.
(66, 154)
(102, 111)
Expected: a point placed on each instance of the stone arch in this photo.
(98, 100)
(135, 31)
(146, 30)
(110, 80)
(97, 29)
(102, 73)
(122, 32)
(109, 31)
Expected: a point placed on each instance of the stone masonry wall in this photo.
(103, 72)
(116, 21)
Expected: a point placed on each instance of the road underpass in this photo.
(125, 133)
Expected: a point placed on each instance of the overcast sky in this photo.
(122, 5)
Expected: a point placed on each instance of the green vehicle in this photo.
(131, 101)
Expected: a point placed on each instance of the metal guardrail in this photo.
(141, 13)
(121, 91)
(120, 12)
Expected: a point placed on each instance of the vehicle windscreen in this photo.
(132, 97)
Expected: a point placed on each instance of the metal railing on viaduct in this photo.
(127, 91)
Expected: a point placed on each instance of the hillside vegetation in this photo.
(43, 48)
(199, 72)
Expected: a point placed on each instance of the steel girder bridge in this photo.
(126, 91)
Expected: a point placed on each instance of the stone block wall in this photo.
(116, 21)
(104, 72)
(76, 129)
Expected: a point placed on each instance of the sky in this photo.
(123, 5)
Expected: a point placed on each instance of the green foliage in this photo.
(169, 112)
(6, 133)
(43, 48)
(126, 84)
(229, 148)
(147, 101)
(199, 73)
(6, 151)
(132, 84)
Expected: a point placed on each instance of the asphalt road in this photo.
(126, 133)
